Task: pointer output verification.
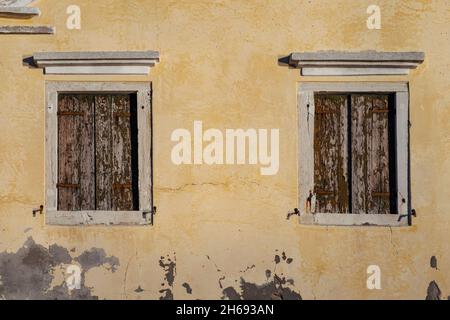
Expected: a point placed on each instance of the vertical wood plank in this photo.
(330, 154)
(402, 149)
(87, 153)
(379, 158)
(122, 198)
(306, 115)
(51, 148)
(68, 153)
(370, 154)
(103, 151)
(144, 148)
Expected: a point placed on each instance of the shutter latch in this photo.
(40, 209)
(148, 215)
(296, 212)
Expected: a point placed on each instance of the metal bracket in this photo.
(413, 213)
(296, 212)
(40, 209)
(151, 213)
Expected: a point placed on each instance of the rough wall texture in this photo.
(221, 231)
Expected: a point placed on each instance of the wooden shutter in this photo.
(97, 158)
(75, 153)
(330, 153)
(371, 183)
(114, 183)
(122, 197)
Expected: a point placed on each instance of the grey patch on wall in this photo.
(275, 289)
(433, 291)
(139, 289)
(169, 266)
(272, 290)
(28, 273)
(187, 287)
(433, 262)
(15, 3)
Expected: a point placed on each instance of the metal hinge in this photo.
(36, 210)
(148, 215)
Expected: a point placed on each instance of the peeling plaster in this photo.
(187, 287)
(433, 291)
(276, 287)
(28, 273)
(169, 266)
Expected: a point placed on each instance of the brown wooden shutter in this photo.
(96, 163)
(75, 153)
(114, 181)
(330, 153)
(122, 197)
(103, 152)
(370, 154)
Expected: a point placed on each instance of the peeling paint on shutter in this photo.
(122, 197)
(330, 153)
(97, 153)
(103, 152)
(371, 183)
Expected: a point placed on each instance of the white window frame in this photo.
(143, 216)
(306, 93)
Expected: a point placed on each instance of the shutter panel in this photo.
(103, 152)
(122, 197)
(330, 153)
(370, 154)
(75, 153)
(87, 153)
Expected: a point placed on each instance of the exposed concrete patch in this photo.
(272, 290)
(275, 288)
(187, 287)
(231, 294)
(433, 291)
(433, 262)
(139, 289)
(28, 273)
(169, 266)
(96, 257)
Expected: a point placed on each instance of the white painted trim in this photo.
(306, 153)
(86, 218)
(354, 86)
(346, 71)
(336, 63)
(100, 62)
(53, 216)
(338, 219)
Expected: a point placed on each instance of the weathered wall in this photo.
(221, 231)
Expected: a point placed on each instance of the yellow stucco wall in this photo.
(223, 223)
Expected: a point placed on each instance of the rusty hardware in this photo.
(68, 185)
(295, 212)
(413, 213)
(381, 194)
(122, 114)
(379, 111)
(323, 192)
(151, 213)
(326, 111)
(121, 186)
(70, 113)
(40, 209)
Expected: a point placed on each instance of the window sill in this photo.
(339, 219)
(88, 218)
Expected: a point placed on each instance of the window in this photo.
(98, 153)
(353, 163)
